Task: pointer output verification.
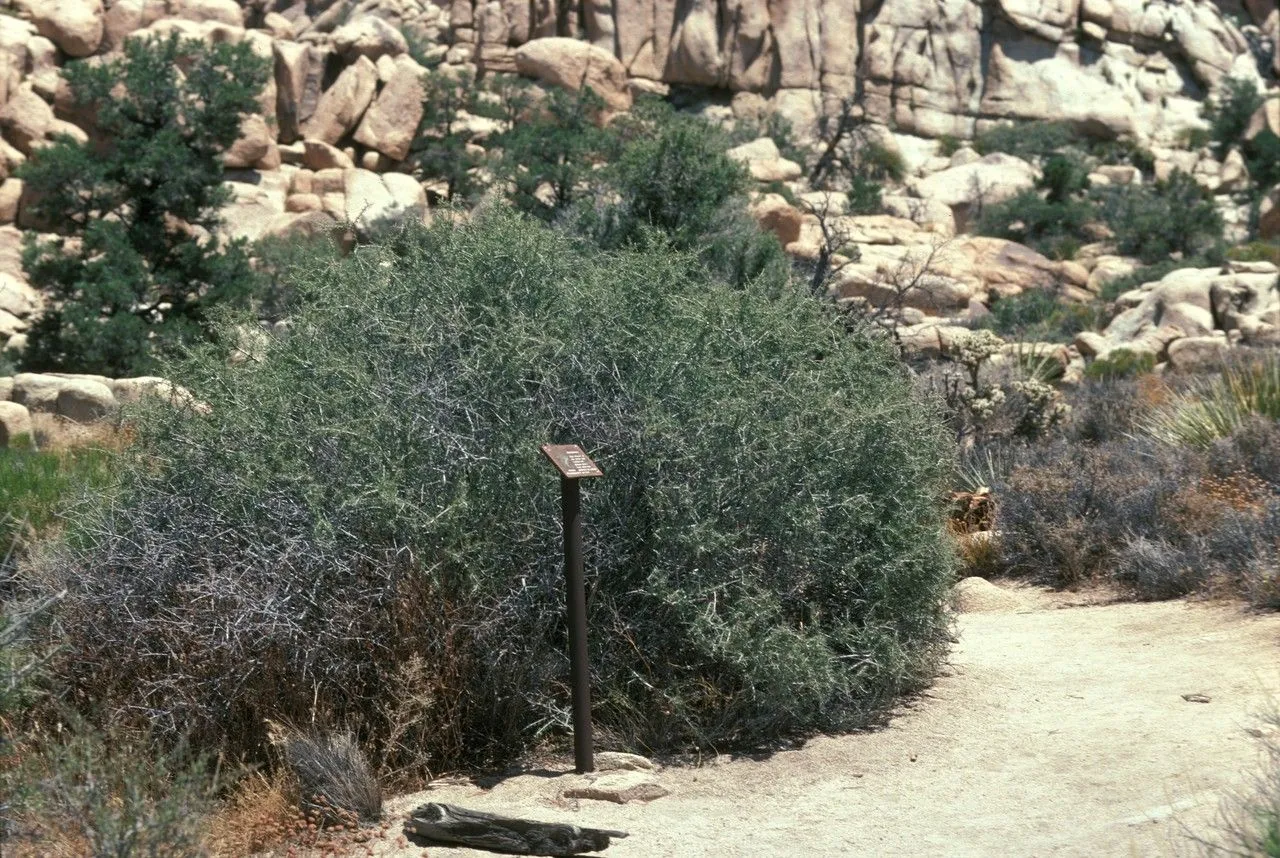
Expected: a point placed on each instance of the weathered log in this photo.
(435, 824)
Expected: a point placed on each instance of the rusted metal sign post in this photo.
(573, 465)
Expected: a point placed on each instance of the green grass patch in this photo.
(35, 485)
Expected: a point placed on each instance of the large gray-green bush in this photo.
(363, 531)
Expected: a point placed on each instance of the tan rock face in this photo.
(369, 36)
(26, 119)
(1265, 118)
(220, 11)
(995, 178)
(84, 401)
(254, 143)
(390, 123)
(16, 297)
(572, 64)
(1269, 214)
(776, 215)
(15, 422)
(75, 26)
(321, 156)
(344, 103)
(299, 76)
(764, 161)
(10, 196)
(372, 200)
(930, 68)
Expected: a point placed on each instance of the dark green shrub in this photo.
(1031, 141)
(1037, 315)
(439, 150)
(948, 145)
(1055, 229)
(1124, 150)
(1064, 177)
(130, 270)
(1262, 156)
(1153, 221)
(548, 157)
(739, 252)
(1228, 115)
(852, 159)
(1120, 363)
(673, 184)
(1053, 222)
(1257, 251)
(1229, 111)
(765, 552)
(673, 175)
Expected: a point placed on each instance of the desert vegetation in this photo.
(327, 564)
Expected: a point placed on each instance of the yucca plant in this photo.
(1214, 408)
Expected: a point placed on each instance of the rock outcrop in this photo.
(330, 151)
(1109, 66)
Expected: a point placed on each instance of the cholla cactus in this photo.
(976, 346)
(1044, 408)
(982, 403)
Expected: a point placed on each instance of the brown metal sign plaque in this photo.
(571, 461)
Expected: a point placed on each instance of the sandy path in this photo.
(1056, 732)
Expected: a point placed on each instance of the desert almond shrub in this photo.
(766, 552)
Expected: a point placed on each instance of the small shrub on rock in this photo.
(1055, 229)
(671, 183)
(672, 174)
(1119, 363)
(1228, 112)
(1030, 141)
(547, 157)
(1156, 220)
(1039, 315)
(766, 553)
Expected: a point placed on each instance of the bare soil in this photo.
(1061, 727)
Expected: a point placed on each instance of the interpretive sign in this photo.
(571, 461)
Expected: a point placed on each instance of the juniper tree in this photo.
(136, 262)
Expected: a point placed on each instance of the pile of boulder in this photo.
(74, 398)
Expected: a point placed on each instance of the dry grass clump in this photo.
(55, 434)
(335, 781)
(265, 815)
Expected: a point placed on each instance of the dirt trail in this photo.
(1056, 731)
